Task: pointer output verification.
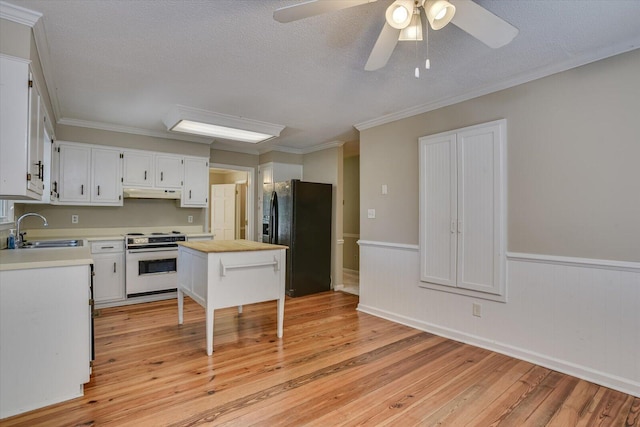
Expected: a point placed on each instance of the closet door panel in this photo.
(438, 203)
(476, 210)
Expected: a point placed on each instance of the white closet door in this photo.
(438, 204)
(477, 203)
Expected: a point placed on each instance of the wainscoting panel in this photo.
(580, 317)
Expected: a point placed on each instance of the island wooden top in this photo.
(209, 246)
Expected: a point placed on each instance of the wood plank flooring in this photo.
(334, 366)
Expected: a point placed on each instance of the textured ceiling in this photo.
(122, 64)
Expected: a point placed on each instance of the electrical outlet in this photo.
(476, 310)
(371, 213)
(190, 219)
(74, 219)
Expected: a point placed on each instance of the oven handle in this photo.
(142, 251)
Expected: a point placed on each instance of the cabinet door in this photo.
(462, 210)
(479, 209)
(438, 204)
(14, 130)
(108, 283)
(169, 171)
(74, 166)
(35, 161)
(138, 169)
(105, 170)
(196, 182)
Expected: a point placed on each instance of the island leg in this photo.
(280, 316)
(209, 330)
(180, 307)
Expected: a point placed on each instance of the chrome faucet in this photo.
(20, 236)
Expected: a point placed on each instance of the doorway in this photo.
(231, 202)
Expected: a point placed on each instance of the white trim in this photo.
(340, 241)
(621, 384)
(535, 74)
(403, 246)
(575, 262)
(19, 14)
(351, 235)
(324, 146)
(251, 180)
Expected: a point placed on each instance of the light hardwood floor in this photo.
(334, 366)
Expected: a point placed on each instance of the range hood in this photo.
(150, 193)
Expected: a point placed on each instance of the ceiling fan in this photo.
(400, 18)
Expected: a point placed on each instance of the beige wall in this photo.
(327, 166)
(233, 158)
(573, 150)
(280, 157)
(351, 212)
(127, 140)
(134, 213)
(15, 39)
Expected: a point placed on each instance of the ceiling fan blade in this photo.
(383, 48)
(312, 8)
(482, 24)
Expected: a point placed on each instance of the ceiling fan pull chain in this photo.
(427, 63)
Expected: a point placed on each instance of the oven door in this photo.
(151, 271)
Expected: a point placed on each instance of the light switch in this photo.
(371, 213)
(384, 189)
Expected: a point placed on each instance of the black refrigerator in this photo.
(297, 214)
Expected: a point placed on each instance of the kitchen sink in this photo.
(41, 244)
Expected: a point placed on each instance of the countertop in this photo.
(22, 259)
(212, 246)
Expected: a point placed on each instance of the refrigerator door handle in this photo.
(273, 219)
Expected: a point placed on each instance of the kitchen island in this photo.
(229, 273)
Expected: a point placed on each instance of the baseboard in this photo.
(613, 382)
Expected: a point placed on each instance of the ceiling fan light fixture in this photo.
(439, 13)
(413, 32)
(399, 14)
(207, 123)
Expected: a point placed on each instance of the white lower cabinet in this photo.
(108, 264)
(45, 336)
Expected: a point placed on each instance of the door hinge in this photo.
(91, 302)
(122, 155)
(119, 197)
(121, 179)
(91, 363)
(28, 177)
(58, 149)
(30, 84)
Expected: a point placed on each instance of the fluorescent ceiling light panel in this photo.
(201, 122)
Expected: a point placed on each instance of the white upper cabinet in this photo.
(169, 171)
(462, 210)
(87, 175)
(106, 185)
(74, 165)
(22, 146)
(196, 182)
(138, 170)
(146, 169)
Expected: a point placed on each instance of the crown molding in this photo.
(42, 46)
(19, 14)
(324, 146)
(535, 74)
(131, 130)
(239, 149)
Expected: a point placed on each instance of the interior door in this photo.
(223, 211)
